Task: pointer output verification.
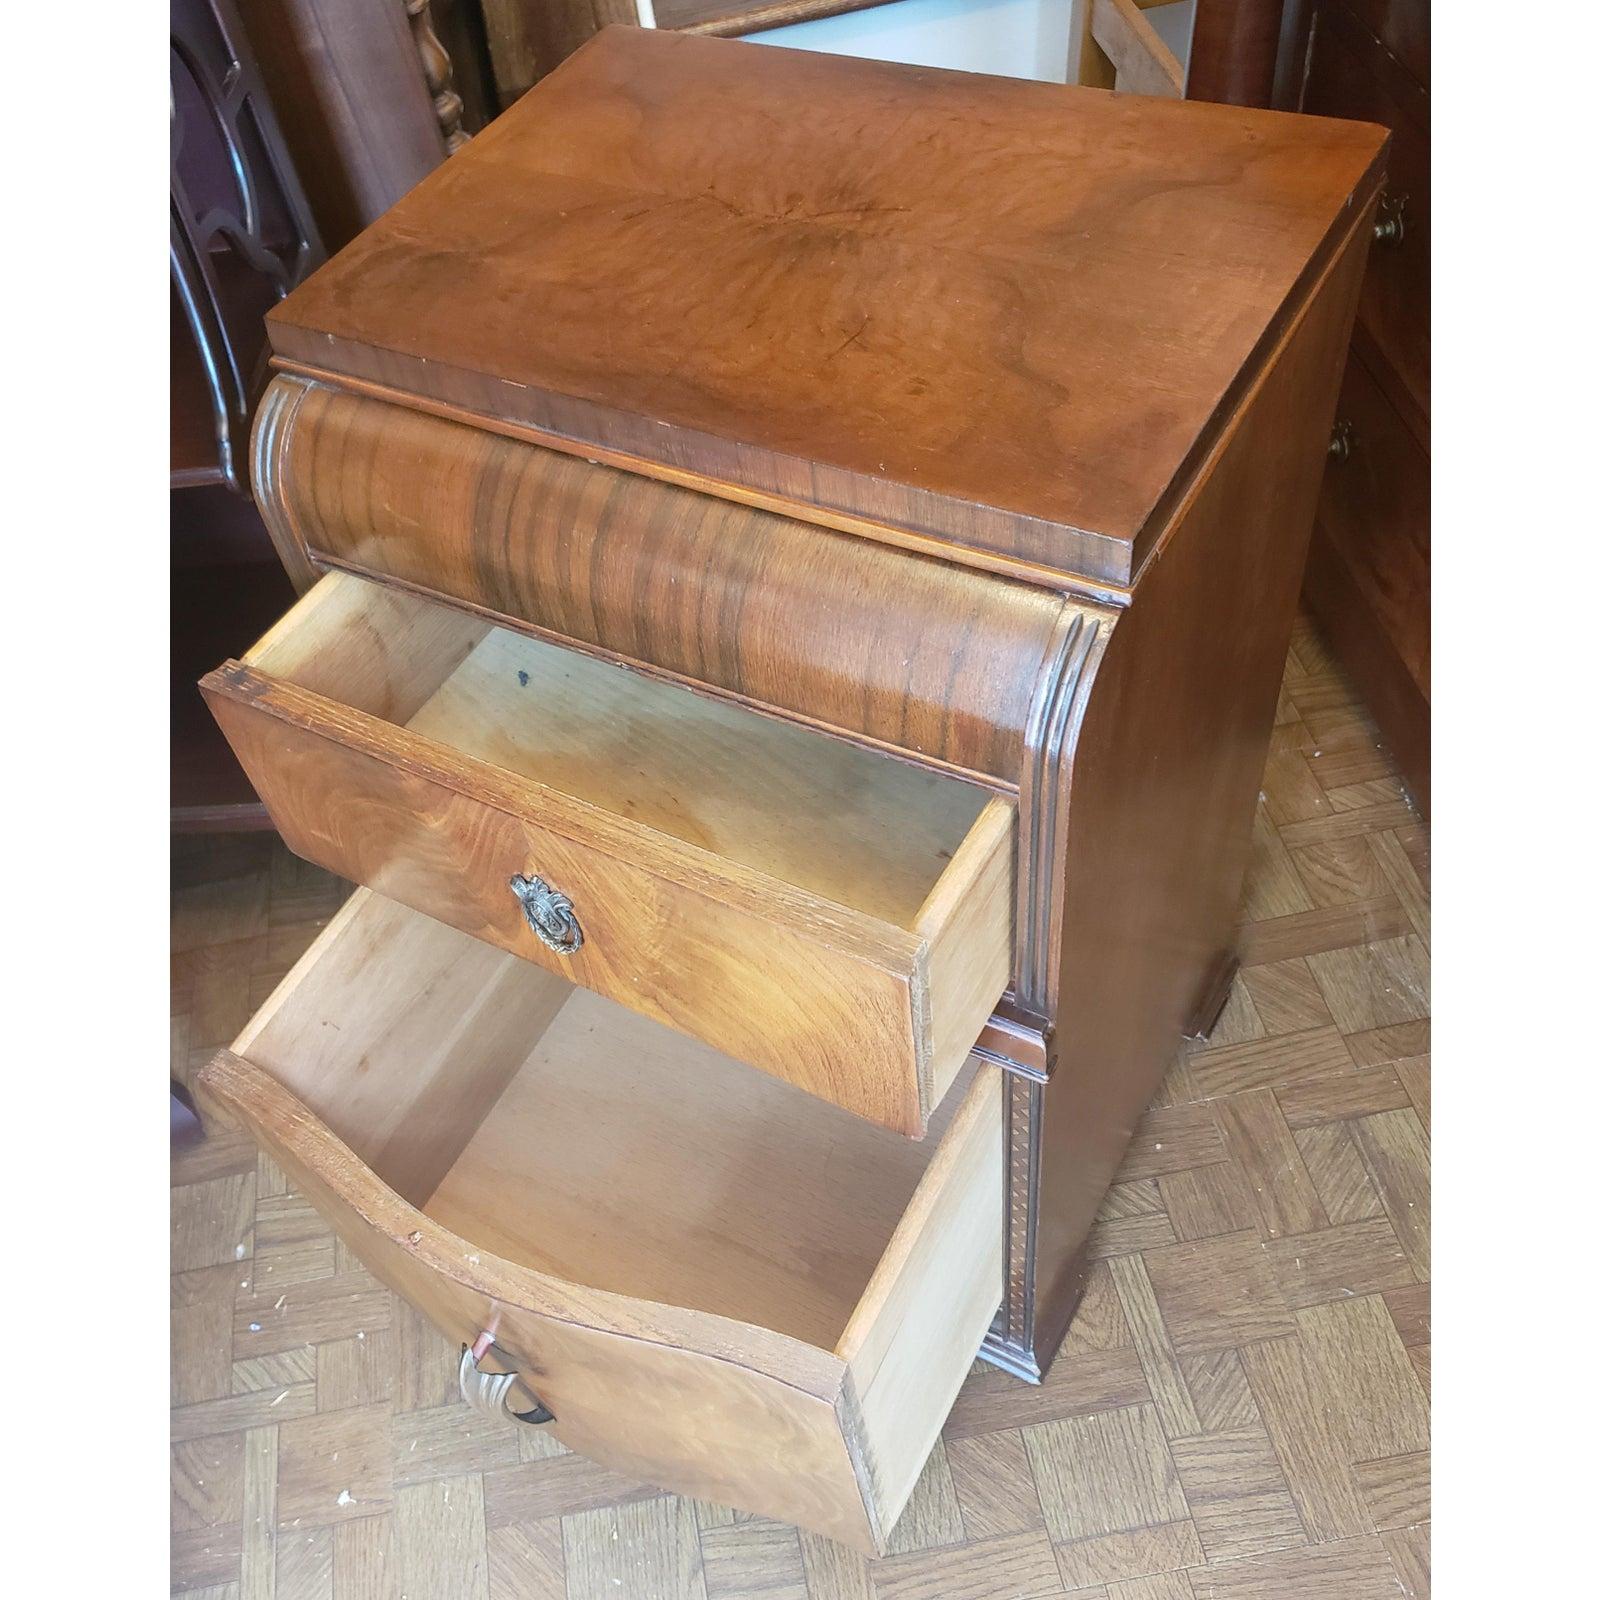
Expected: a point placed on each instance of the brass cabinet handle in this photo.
(1342, 442)
(489, 1392)
(549, 914)
(1390, 228)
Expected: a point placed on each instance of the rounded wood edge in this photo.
(252, 1098)
(1055, 722)
(268, 437)
(1103, 589)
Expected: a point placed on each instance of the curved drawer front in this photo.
(822, 912)
(808, 1291)
(936, 660)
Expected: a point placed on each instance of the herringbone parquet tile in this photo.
(1240, 1412)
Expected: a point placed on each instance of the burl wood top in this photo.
(1005, 315)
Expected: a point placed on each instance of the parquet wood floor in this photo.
(1240, 1413)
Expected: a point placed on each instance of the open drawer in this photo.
(714, 1282)
(825, 912)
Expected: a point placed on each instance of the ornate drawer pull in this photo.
(1390, 226)
(489, 1392)
(1342, 442)
(549, 914)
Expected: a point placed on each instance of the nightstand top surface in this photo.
(1005, 317)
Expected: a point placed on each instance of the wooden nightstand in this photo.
(804, 551)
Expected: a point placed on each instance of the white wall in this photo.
(1012, 38)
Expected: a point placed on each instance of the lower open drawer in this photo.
(714, 1281)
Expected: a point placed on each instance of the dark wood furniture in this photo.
(1368, 580)
(241, 236)
(366, 93)
(792, 652)
(367, 98)
(1368, 577)
(1233, 51)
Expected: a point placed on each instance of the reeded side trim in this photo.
(1011, 1334)
(1053, 723)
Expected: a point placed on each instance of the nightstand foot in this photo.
(1013, 1356)
(1213, 998)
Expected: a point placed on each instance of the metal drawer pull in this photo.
(1342, 442)
(489, 1392)
(549, 914)
(1390, 227)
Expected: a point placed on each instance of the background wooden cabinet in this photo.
(294, 124)
(1368, 578)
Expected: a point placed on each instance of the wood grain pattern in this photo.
(1123, 939)
(1186, 685)
(929, 1303)
(268, 432)
(704, 1198)
(1261, 1144)
(434, 1060)
(832, 1438)
(1245, 585)
(1233, 52)
(826, 914)
(967, 367)
(242, 910)
(853, 635)
(1105, 1473)
(1237, 1496)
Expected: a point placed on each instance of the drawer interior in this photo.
(551, 1126)
(859, 828)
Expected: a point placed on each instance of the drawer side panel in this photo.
(920, 1323)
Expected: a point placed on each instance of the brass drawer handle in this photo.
(1342, 442)
(1390, 228)
(549, 914)
(489, 1392)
